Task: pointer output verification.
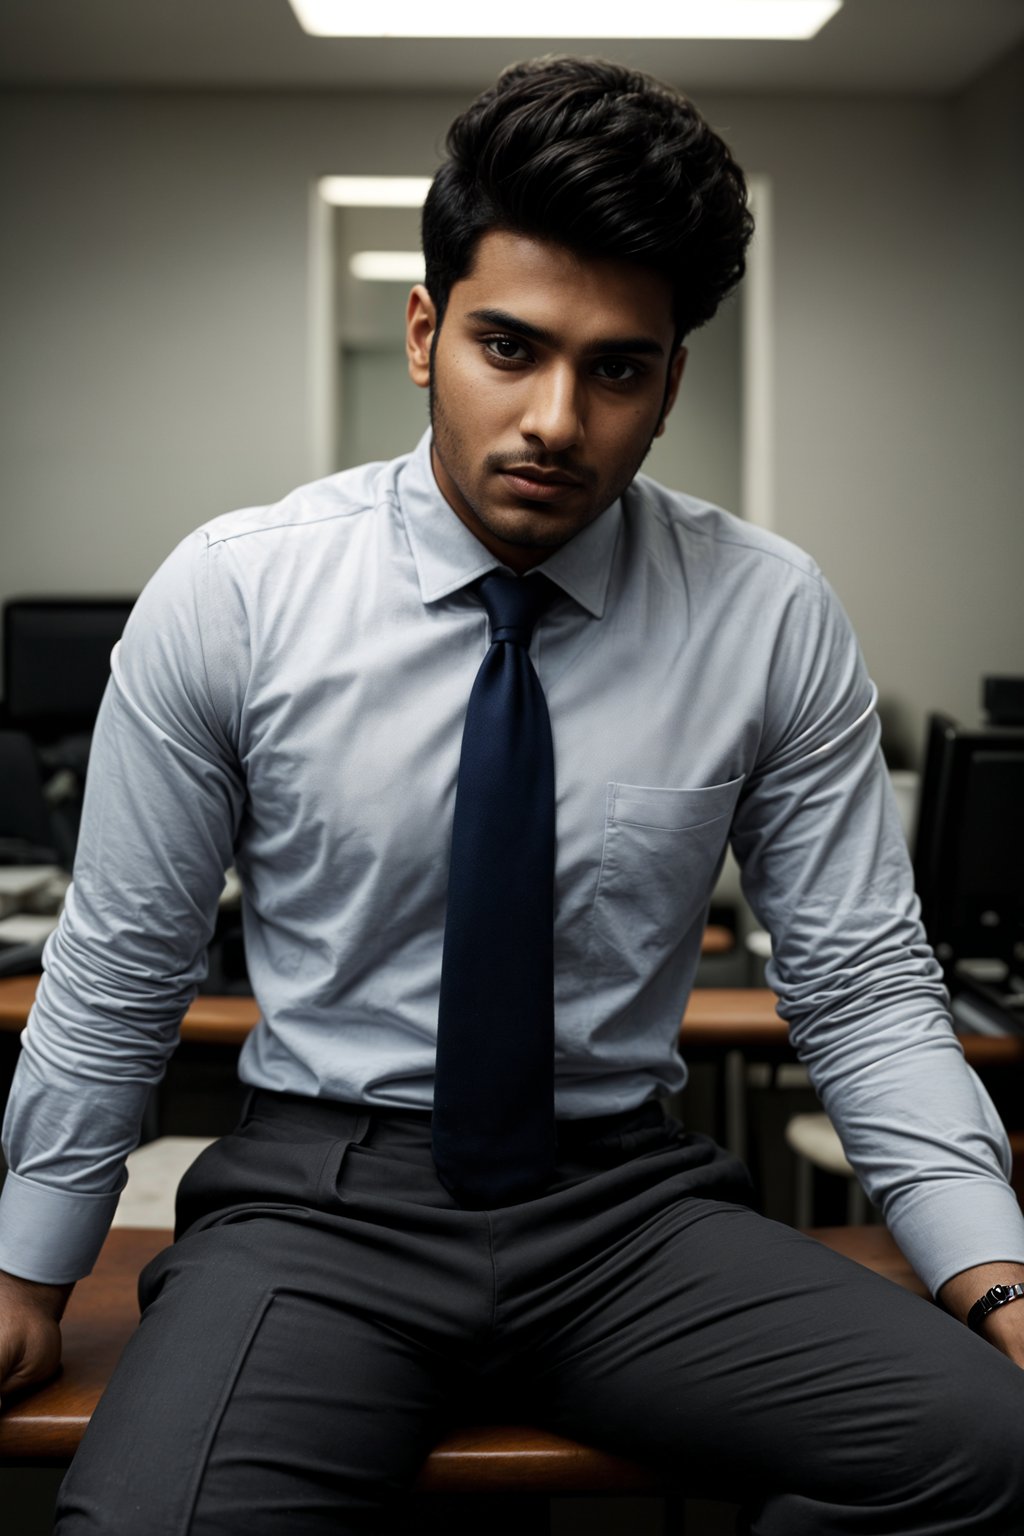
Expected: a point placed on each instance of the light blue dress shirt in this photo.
(289, 696)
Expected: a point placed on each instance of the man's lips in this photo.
(539, 484)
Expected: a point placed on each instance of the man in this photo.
(647, 678)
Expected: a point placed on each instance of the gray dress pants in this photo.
(326, 1311)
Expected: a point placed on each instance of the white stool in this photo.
(813, 1138)
(154, 1173)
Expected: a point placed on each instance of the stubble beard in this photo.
(552, 537)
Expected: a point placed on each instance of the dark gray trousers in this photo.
(327, 1310)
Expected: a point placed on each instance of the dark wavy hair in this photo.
(598, 158)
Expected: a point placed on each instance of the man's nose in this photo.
(553, 414)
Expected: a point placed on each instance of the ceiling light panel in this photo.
(374, 191)
(387, 266)
(779, 19)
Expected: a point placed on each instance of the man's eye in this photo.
(507, 348)
(617, 369)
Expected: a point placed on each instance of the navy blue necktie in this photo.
(494, 1122)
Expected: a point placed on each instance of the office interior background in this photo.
(180, 336)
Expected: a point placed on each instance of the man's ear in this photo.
(420, 325)
(675, 374)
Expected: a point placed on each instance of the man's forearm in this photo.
(1004, 1327)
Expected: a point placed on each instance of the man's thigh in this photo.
(756, 1364)
(250, 1402)
(298, 1343)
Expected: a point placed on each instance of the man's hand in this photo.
(1005, 1326)
(30, 1317)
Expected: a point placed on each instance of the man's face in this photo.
(550, 377)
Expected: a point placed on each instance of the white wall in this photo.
(701, 448)
(153, 306)
(899, 323)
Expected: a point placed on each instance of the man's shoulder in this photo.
(326, 505)
(702, 527)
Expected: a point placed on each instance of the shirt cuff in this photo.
(945, 1230)
(51, 1235)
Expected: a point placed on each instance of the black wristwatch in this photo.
(996, 1296)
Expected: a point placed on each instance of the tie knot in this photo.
(514, 604)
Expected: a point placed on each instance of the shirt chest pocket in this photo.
(662, 851)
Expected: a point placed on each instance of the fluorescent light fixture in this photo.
(374, 191)
(387, 266)
(785, 19)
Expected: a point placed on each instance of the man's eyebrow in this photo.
(645, 346)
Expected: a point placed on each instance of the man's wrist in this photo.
(959, 1294)
(51, 1299)
(1004, 1326)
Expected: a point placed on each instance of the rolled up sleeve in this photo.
(827, 871)
(162, 805)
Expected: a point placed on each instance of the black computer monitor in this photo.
(969, 844)
(57, 661)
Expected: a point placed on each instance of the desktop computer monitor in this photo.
(57, 661)
(969, 844)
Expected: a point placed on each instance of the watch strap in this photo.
(995, 1296)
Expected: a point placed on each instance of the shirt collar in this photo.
(448, 556)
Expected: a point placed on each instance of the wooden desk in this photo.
(744, 1018)
(209, 1021)
(732, 1026)
(717, 940)
(716, 1019)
